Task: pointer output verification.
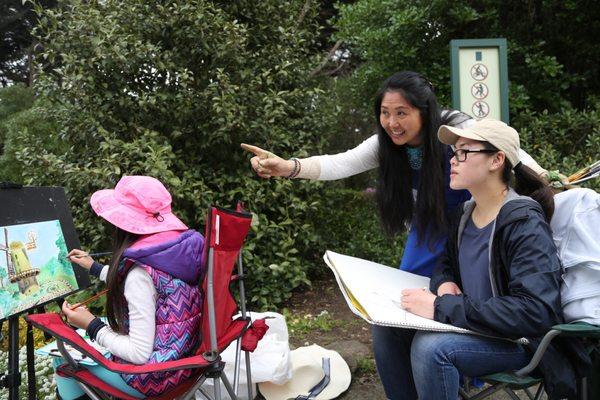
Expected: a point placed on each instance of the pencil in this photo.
(94, 297)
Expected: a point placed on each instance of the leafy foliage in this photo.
(353, 228)
(30, 140)
(552, 44)
(565, 141)
(13, 99)
(552, 50)
(44, 371)
(17, 47)
(170, 89)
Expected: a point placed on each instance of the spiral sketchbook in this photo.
(372, 292)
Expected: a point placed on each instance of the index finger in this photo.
(75, 252)
(256, 150)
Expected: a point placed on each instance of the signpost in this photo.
(480, 78)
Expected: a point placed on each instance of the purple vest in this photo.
(175, 267)
(178, 319)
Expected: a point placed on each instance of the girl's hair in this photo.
(394, 187)
(527, 182)
(116, 305)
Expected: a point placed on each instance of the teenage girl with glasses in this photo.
(500, 275)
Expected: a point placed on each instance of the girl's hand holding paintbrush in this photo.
(80, 319)
(83, 258)
(80, 258)
(77, 315)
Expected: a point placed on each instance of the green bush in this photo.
(13, 99)
(349, 224)
(565, 141)
(552, 52)
(171, 89)
(29, 135)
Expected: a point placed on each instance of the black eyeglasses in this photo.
(461, 154)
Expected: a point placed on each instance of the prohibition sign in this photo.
(480, 109)
(479, 90)
(479, 72)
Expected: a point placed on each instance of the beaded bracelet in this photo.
(296, 169)
(299, 168)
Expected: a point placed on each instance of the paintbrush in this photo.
(94, 297)
(104, 253)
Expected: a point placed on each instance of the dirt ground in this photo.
(320, 315)
(326, 296)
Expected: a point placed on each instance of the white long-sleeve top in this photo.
(364, 157)
(141, 296)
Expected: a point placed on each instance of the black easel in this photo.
(52, 205)
(11, 379)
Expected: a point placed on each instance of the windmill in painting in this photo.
(18, 265)
(34, 268)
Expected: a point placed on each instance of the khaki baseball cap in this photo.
(500, 135)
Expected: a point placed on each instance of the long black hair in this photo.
(527, 182)
(394, 187)
(116, 305)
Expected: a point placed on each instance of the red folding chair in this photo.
(225, 234)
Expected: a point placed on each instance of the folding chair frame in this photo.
(574, 329)
(210, 363)
(231, 390)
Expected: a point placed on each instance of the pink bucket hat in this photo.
(138, 204)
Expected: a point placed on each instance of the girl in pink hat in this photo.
(152, 284)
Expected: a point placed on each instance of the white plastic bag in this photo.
(270, 362)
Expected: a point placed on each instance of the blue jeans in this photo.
(428, 365)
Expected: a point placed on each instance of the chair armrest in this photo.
(53, 324)
(539, 352)
(579, 329)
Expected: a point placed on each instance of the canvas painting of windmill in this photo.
(34, 268)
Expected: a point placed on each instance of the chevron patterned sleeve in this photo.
(141, 296)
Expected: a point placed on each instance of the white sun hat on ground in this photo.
(314, 370)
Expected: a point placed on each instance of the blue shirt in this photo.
(418, 258)
(474, 261)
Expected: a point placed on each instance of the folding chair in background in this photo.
(225, 234)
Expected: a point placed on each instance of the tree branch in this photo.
(304, 12)
(330, 54)
(336, 69)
